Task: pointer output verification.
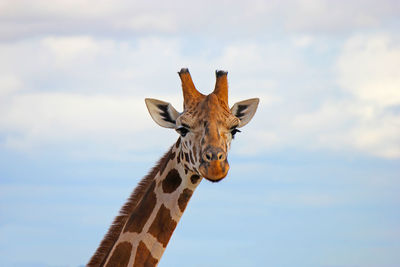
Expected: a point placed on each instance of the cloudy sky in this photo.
(314, 178)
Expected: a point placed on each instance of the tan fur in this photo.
(190, 93)
(221, 87)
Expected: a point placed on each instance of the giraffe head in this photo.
(207, 125)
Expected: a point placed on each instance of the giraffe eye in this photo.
(234, 131)
(182, 131)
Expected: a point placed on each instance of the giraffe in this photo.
(142, 230)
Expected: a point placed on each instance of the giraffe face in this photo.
(206, 126)
(206, 130)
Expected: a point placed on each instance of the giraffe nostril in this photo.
(214, 155)
(207, 156)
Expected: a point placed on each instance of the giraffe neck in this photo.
(146, 228)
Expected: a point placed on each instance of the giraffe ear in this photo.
(163, 113)
(245, 110)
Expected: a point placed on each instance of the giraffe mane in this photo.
(111, 237)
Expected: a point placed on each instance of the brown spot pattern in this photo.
(163, 225)
(144, 257)
(184, 199)
(142, 212)
(194, 178)
(178, 142)
(121, 255)
(171, 182)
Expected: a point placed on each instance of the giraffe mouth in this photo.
(214, 180)
(214, 171)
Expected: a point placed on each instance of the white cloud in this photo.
(324, 16)
(360, 117)
(226, 19)
(351, 125)
(9, 84)
(70, 49)
(369, 68)
(379, 136)
(303, 41)
(60, 118)
(82, 63)
(152, 22)
(78, 93)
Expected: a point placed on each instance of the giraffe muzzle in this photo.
(214, 165)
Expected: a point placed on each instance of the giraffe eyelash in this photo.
(182, 131)
(234, 131)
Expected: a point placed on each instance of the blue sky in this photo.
(314, 177)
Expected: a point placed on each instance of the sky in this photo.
(314, 176)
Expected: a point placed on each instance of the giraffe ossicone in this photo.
(140, 234)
